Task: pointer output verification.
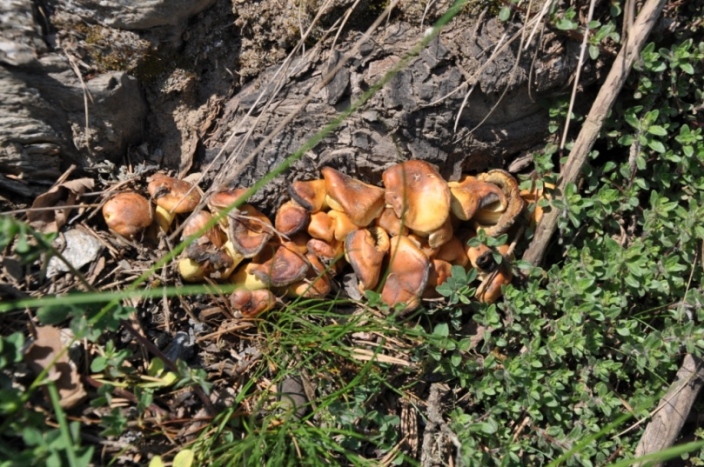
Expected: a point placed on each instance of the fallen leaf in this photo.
(61, 194)
(42, 352)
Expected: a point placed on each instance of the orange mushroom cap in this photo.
(360, 201)
(196, 222)
(316, 284)
(365, 250)
(252, 303)
(127, 213)
(309, 194)
(321, 226)
(470, 194)
(177, 196)
(389, 221)
(342, 225)
(418, 195)
(408, 274)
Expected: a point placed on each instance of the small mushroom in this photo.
(532, 198)
(321, 226)
(249, 230)
(201, 261)
(418, 195)
(225, 199)
(440, 270)
(176, 196)
(481, 257)
(493, 219)
(491, 290)
(365, 250)
(439, 237)
(310, 195)
(285, 267)
(244, 278)
(470, 195)
(196, 223)
(408, 274)
(252, 303)
(291, 218)
(316, 282)
(389, 221)
(329, 253)
(342, 225)
(127, 213)
(453, 252)
(360, 201)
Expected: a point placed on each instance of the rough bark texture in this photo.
(170, 88)
(410, 118)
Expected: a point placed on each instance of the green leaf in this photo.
(657, 130)
(656, 146)
(504, 13)
(184, 458)
(53, 314)
(441, 330)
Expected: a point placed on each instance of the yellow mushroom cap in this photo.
(418, 195)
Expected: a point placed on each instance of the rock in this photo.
(43, 107)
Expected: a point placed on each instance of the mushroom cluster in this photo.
(401, 240)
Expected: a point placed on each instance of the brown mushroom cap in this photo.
(249, 230)
(453, 252)
(470, 195)
(291, 218)
(365, 250)
(440, 270)
(481, 257)
(177, 196)
(490, 290)
(495, 221)
(127, 213)
(329, 253)
(418, 195)
(389, 221)
(316, 283)
(360, 201)
(225, 199)
(310, 195)
(285, 267)
(408, 274)
(252, 302)
(197, 222)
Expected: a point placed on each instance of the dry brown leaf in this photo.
(39, 356)
(61, 194)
